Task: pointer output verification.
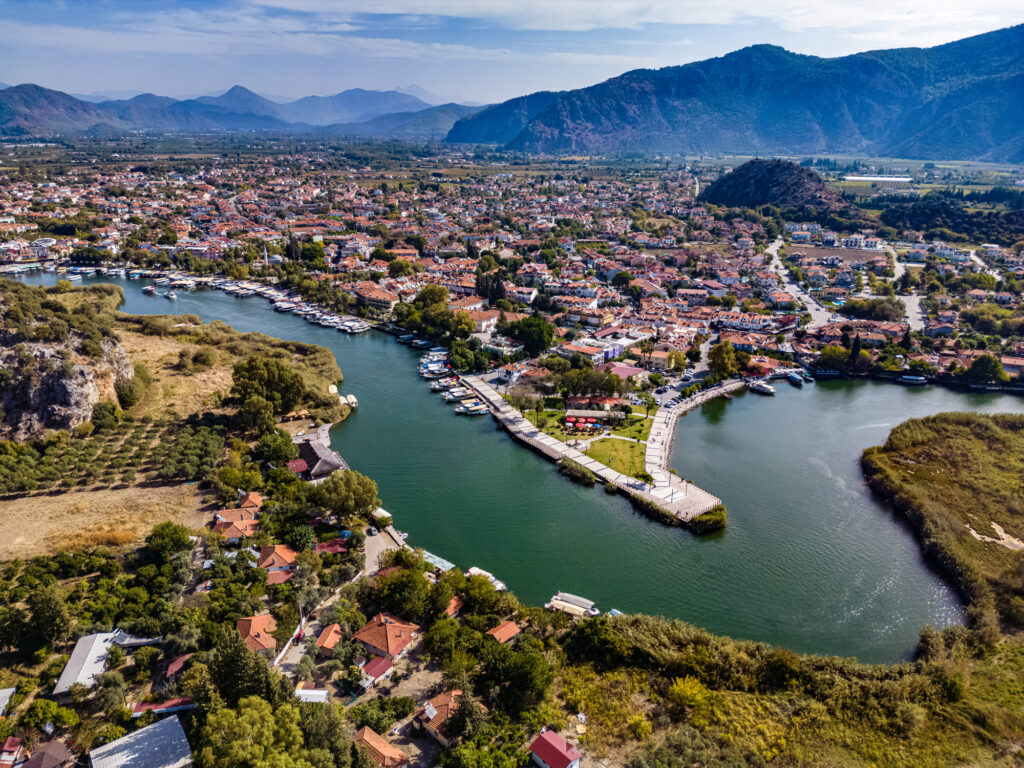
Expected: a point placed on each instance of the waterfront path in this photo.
(684, 500)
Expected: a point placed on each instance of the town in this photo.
(584, 305)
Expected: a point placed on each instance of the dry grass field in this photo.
(41, 523)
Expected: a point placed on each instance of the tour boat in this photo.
(916, 381)
(458, 393)
(421, 344)
(407, 338)
(795, 379)
(571, 604)
(761, 386)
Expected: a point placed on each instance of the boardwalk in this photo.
(682, 499)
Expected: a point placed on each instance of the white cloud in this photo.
(915, 20)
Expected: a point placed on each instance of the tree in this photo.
(622, 279)
(12, 627)
(986, 369)
(110, 693)
(43, 711)
(401, 268)
(347, 493)
(51, 620)
(535, 333)
(832, 358)
(254, 734)
(276, 446)
(237, 672)
(692, 699)
(256, 414)
(648, 402)
(301, 538)
(273, 380)
(722, 360)
(167, 539)
(855, 349)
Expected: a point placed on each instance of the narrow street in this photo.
(819, 315)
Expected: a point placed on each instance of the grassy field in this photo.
(621, 455)
(42, 523)
(960, 479)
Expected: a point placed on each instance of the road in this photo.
(915, 314)
(819, 315)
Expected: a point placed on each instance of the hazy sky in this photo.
(481, 50)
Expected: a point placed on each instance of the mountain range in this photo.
(964, 99)
(961, 100)
(33, 110)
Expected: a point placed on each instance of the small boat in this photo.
(727, 396)
(761, 386)
(149, 290)
(572, 604)
(795, 379)
(474, 571)
(440, 385)
(807, 377)
(351, 400)
(458, 393)
(914, 381)
(471, 408)
(73, 277)
(407, 338)
(421, 344)
(171, 295)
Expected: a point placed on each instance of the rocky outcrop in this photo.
(49, 387)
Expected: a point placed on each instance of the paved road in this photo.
(374, 548)
(915, 314)
(819, 315)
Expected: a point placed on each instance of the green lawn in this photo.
(620, 455)
(637, 426)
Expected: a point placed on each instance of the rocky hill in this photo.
(959, 100)
(780, 183)
(56, 363)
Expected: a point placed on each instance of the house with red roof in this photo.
(434, 715)
(387, 635)
(549, 750)
(258, 632)
(375, 670)
(10, 752)
(329, 637)
(504, 632)
(234, 532)
(278, 560)
(380, 751)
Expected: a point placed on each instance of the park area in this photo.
(620, 447)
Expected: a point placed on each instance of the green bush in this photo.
(709, 522)
(576, 472)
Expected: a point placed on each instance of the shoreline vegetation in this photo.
(950, 476)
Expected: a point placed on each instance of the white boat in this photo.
(440, 385)
(761, 386)
(351, 400)
(457, 393)
(171, 295)
(149, 290)
(474, 571)
(572, 604)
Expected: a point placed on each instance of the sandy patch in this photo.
(1004, 539)
(41, 524)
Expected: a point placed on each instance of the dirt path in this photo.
(41, 524)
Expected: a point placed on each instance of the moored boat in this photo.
(795, 379)
(440, 385)
(914, 381)
(351, 400)
(761, 386)
(474, 571)
(572, 604)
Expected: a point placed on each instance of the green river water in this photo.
(809, 560)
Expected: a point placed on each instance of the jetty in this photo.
(683, 500)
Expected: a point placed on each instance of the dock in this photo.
(683, 500)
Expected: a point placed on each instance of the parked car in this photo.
(373, 531)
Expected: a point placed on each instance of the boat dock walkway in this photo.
(684, 500)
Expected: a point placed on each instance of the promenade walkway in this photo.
(684, 500)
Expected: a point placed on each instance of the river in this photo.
(809, 560)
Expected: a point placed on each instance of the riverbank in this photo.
(802, 540)
(951, 475)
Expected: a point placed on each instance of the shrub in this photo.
(576, 472)
(709, 522)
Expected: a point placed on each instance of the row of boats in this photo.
(434, 367)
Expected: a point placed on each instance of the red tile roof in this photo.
(257, 631)
(554, 750)
(383, 754)
(387, 633)
(504, 631)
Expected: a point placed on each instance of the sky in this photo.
(479, 51)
